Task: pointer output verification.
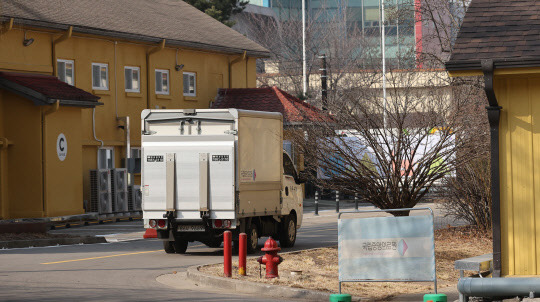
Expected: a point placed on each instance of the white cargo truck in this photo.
(205, 171)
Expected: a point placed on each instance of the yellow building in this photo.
(499, 41)
(130, 55)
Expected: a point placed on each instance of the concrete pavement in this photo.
(127, 268)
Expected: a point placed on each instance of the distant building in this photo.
(408, 31)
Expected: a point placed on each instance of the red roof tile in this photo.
(270, 99)
(46, 89)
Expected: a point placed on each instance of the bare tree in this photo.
(392, 155)
(390, 150)
(469, 194)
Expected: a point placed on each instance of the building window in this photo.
(190, 84)
(65, 71)
(106, 158)
(162, 81)
(100, 76)
(132, 79)
(135, 152)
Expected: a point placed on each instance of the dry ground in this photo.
(320, 267)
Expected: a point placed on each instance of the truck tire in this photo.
(180, 245)
(168, 246)
(287, 236)
(252, 239)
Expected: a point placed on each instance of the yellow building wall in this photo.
(519, 140)
(213, 71)
(66, 174)
(22, 125)
(4, 210)
(16, 57)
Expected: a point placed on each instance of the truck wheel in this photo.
(168, 246)
(252, 239)
(287, 237)
(180, 245)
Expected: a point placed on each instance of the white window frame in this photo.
(112, 157)
(189, 74)
(100, 65)
(72, 68)
(132, 68)
(166, 71)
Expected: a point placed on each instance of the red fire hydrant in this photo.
(271, 258)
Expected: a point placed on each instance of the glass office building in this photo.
(359, 20)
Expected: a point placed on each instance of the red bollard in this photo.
(242, 251)
(227, 252)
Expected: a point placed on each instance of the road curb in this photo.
(250, 287)
(50, 242)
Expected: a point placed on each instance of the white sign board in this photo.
(61, 147)
(386, 248)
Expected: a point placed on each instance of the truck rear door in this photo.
(202, 174)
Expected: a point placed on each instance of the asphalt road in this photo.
(126, 270)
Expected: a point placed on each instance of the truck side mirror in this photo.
(303, 176)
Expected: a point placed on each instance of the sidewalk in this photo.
(80, 234)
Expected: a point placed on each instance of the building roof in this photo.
(46, 89)
(142, 20)
(270, 99)
(505, 31)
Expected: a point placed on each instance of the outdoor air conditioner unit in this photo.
(134, 198)
(119, 190)
(100, 191)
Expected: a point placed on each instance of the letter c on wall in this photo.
(61, 147)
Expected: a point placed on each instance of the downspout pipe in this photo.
(54, 108)
(494, 112)
(499, 287)
(62, 38)
(127, 132)
(152, 51)
(231, 63)
(4, 209)
(7, 26)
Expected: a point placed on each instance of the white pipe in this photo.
(128, 138)
(115, 85)
(94, 126)
(383, 46)
(304, 67)
(499, 287)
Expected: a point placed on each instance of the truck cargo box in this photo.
(224, 163)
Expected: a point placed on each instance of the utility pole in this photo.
(383, 46)
(304, 67)
(324, 84)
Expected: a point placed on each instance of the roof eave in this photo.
(84, 104)
(135, 37)
(40, 99)
(497, 62)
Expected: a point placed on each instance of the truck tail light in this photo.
(218, 223)
(152, 223)
(161, 223)
(227, 223)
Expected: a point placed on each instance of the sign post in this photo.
(382, 249)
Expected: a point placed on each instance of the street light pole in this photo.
(304, 67)
(383, 46)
